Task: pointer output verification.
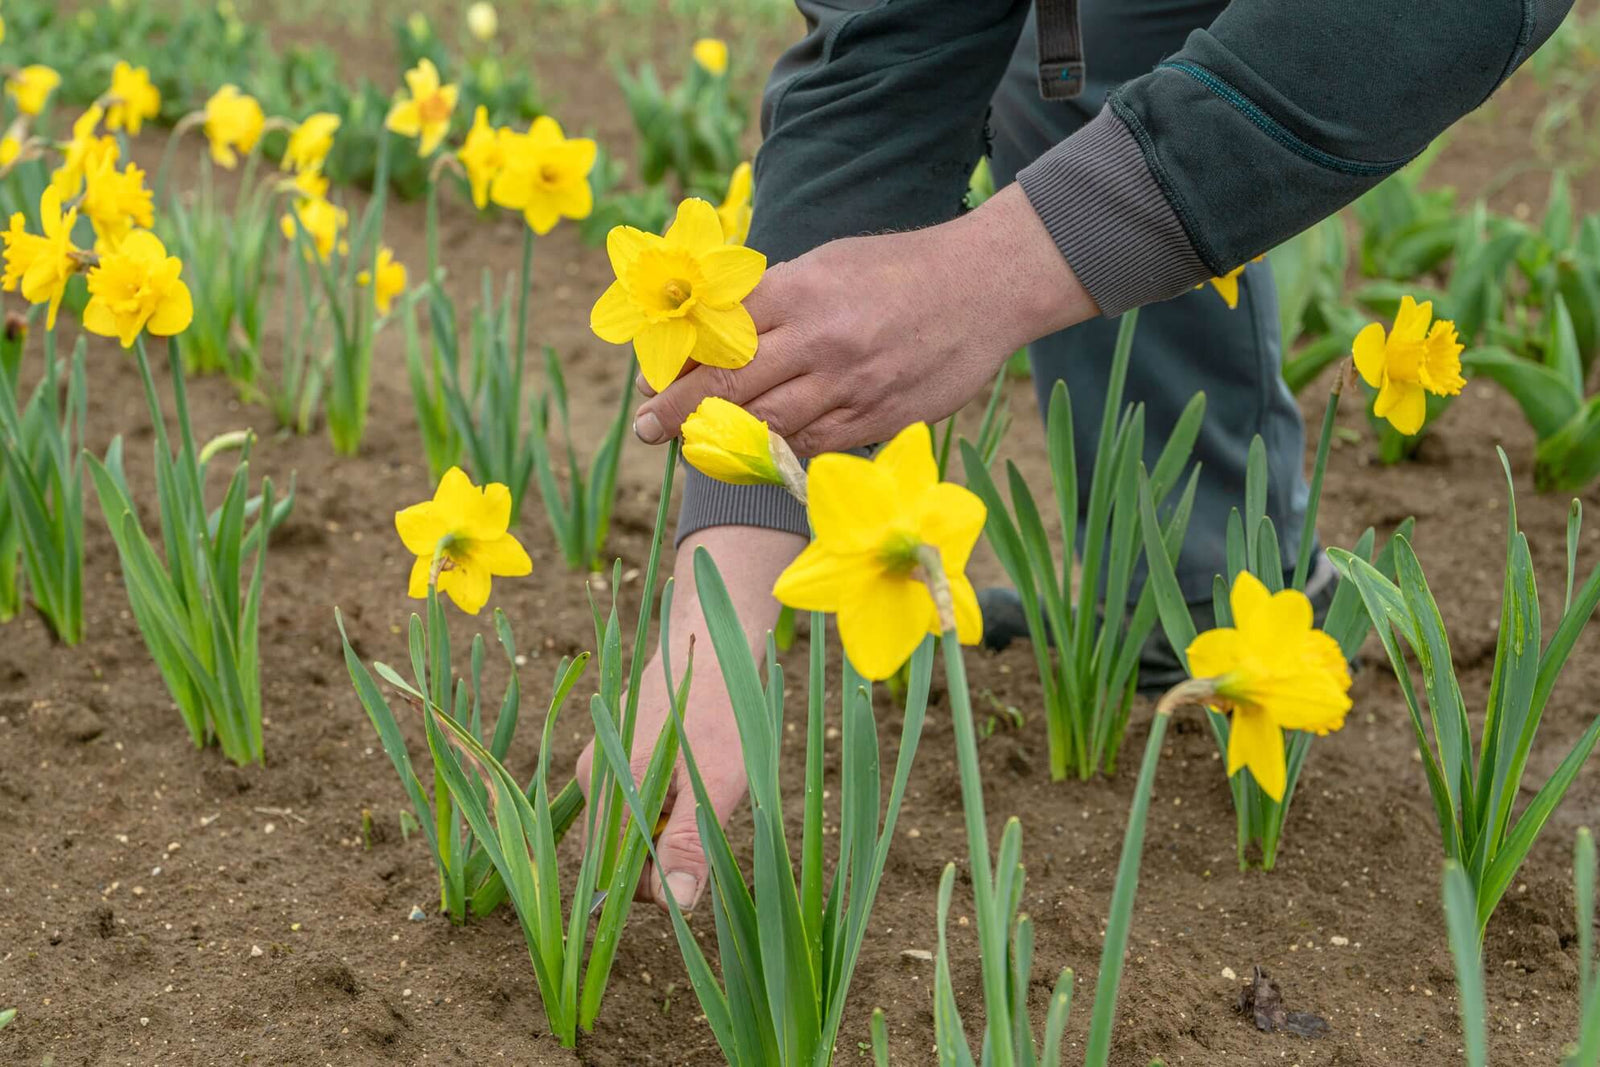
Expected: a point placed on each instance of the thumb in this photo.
(683, 857)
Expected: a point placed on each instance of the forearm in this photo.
(1273, 118)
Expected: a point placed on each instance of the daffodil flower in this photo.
(233, 124)
(1410, 362)
(1270, 671)
(1227, 285)
(482, 155)
(425, 113)
(322, 222)
(131, 99)
(678, 297)
(711, 53)
(545, 175)
(42, 266)
(78, 155)
(115, 201)
(310, 142)
(724, 441)
(463, 532)
(31, 87)
(136, 287)
(482, 21)
(390, 275)
(873, 519)
(734, 211)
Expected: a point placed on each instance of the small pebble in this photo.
(921, 955)
(417, 914)
(1338, 942)
(256, 952)
(1227, 973)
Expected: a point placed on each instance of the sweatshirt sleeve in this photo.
(1268, 121)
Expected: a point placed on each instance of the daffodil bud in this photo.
(482, 22)
(723, 441)
(712, 55)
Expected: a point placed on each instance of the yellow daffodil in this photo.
(41, 266)
(425, 114)
(1410, 362)
(871, 519)
(545, 175)
(678, 297)
(723, 441)
(310, 142)
(482, 155)
(131, 99)
(234, 122)
(10, 149)
(482, 21)
(734, 211)
(322, 222)
(115, 201)
(1272, 671)
(310, 184)
(84, 151)
(31, 87)
(136, 288)
(1227, 286)
(467, 528)
(712, 55)
(391, 279)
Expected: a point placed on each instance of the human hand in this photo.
(750, 560)
(865, 335)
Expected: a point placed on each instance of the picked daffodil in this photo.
(874, 521)
(1227, 285)
(723, 441)
(310, 142)
(711, 53)
(482, 155)
(461, 536)
(388, 279)
(115, 201)
(734, 211)
(1408, 363)
(545, 175)
(131, 99)
(1271, 671)
(425, 113)
(136, 287)
(233, 124)
(678, 297)
(41, 266)
(31, 87)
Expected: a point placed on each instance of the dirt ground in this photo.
(160, 906)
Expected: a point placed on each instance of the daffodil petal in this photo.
(174, 314)
(1284, 616)
(1404, 404)
(615, 319)
(503, 557)
(731, 272)
(468, 584)
(1248, 600)
(663, 348)
(623, 245)
(851, 501)
(817, 579)
(725, 338)
(882, 621)
(1370, 354)
(417, 586)
(1215, 652)
(697, 227)
(951, 518)
(908, 458)
(421, 526)
(969, 616)
(1255, 741)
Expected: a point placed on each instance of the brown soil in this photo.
(139, 876)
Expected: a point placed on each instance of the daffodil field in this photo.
(326, 549)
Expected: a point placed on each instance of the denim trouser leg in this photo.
(1190, 344)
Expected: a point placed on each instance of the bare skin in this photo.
(858, 339)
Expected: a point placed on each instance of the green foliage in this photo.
(1309, 271)
(1473, 796)
(226, 332)
(467, 876)
(41, 480)
(691, 131)
(198, 609)
(646, 209)
(581, 519)
(788, 949)
(1087, 646)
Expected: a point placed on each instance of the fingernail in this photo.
(647, 428)
(685, 889)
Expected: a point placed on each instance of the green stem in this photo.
(1104, 1015)
(1308, 530)
(433, 228)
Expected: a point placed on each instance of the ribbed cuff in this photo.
(708, 502)
(1110, 219)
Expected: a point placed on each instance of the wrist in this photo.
(1031, 287)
